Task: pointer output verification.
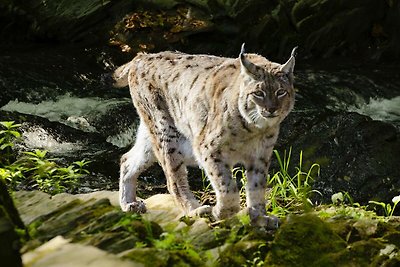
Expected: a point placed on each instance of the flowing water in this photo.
(379, 109)
(77, 112)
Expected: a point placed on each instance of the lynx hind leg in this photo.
(133, 163)
(170, 151)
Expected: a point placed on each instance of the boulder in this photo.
(60, 252)
(320, 241)
(355, 153)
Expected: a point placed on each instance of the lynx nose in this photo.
(270, 112)
(271, 107)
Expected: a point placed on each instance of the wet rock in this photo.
(343, 85)
(118, 125)
(356, 154)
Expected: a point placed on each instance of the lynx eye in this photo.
(281, 93)
(259, 94)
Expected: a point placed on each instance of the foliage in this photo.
(258, 257)
(387, 208)
(343, 206)
(205, 194)
(152, 236)
(287, 192)
(291, 192)
(33, 169)
(7, 138)
(240, 174)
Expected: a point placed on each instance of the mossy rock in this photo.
(303, 240)
(154, 257)
(242, 253)
(211, 239)
(85, 220)
(393, 238)
(360, 253)
(66, 220)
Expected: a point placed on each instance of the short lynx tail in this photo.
(120, 75)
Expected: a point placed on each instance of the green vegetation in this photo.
(387, 208)
(291, 192)
(8, 135)
(290, 188)
(33, 169)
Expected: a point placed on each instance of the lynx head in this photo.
(266, 90)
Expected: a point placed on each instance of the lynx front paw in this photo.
(137, 207)
(224, 213)
(268, 222)
(201, 211)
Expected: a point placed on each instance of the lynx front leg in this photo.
(225, 187)
(133, 163)
(255, 199)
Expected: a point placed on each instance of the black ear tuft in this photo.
(294, 52)
(242, 51)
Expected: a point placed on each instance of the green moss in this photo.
(32, 229)
(303, 240)
(153, 257)
(211, 239)
(148, 256)
(360, 253)
(393, 237)
(188, 258)
(242, 253)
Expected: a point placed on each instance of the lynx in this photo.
(209, 111)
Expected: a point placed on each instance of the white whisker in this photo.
(254, 115)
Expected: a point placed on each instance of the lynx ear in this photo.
(289, 65)
(246, 66)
